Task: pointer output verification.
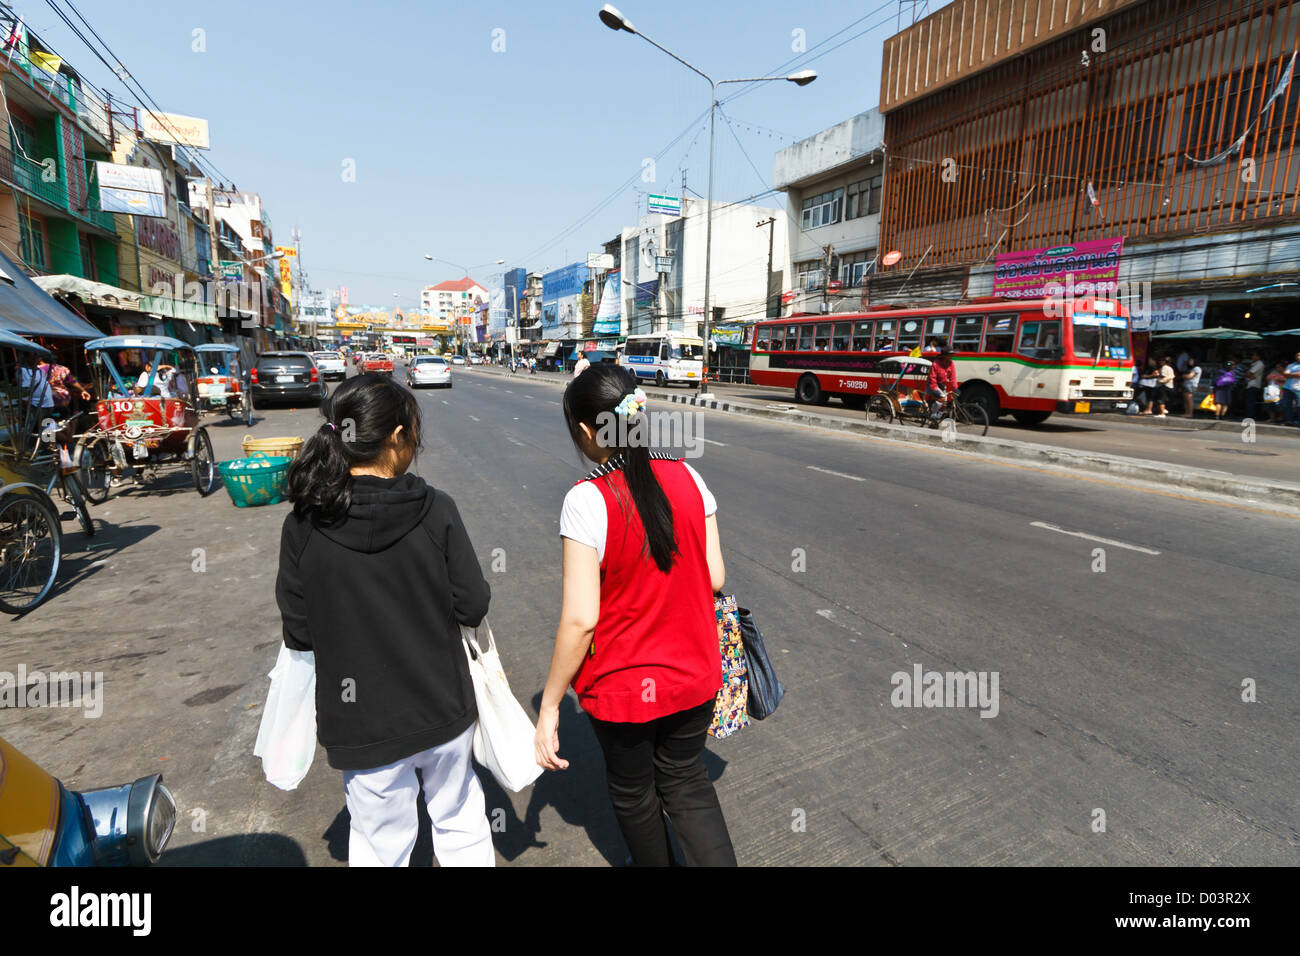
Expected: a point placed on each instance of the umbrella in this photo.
(1238, 334)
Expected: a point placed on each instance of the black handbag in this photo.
(765, 690)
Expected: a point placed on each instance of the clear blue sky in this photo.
(462, 152)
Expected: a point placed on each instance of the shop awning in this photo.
(87, 290)
(28, 309)
(550, 350)
(1237, 334)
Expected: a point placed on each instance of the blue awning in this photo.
(28, 309)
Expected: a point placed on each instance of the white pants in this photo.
(384, 814)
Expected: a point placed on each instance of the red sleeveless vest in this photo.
(655, 650)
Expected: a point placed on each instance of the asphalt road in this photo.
(1119, 691)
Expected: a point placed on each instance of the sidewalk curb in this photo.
(1282, 494)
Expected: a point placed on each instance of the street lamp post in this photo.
(459, 328)
(616, 21)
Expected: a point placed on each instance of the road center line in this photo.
(837, 474)
(475, 418)
(445, 402)
(712, 442)
(1091, 537)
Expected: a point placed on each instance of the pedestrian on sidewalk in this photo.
(376, 575)
(638, 637)
(1254, 384)
(1291, 394)
(1224, 383)
(1274, 387)
(1148, 382)
(1164, 387)
(581, 365)
(1191, 381)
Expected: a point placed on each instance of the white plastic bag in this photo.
(286, 741)
(503, 737)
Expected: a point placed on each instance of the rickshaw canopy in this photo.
(905, 360)
(216, 347)
(138, 342)
(10, 340)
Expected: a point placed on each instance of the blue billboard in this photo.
(564, 282)
(516, 284)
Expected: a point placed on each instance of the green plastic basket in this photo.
(256, 480)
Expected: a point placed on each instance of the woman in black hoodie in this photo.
(376, 576)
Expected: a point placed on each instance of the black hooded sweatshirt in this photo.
(379, 597)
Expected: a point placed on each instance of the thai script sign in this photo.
(1092, 266)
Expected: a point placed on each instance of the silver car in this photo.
(428, 370)
(330, 364)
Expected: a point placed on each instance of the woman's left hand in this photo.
(546, 742)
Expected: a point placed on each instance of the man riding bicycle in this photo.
(941, 384)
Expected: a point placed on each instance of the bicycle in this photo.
(50, 452)
(968, 416)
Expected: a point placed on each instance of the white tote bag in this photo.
(286, 741)
(503, 737)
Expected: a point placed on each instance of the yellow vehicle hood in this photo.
(29, 807)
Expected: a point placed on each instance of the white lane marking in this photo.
(830, 616)
(551, 403)
(526, 395)
(720, 444)
(445, 402)
(515, 441)
(475, 417)
(837, 474)
(1091, 537)
(509, 391)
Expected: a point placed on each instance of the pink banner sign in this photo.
(1078, 270)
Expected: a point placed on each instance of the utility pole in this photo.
(829, 251)
(770, 222)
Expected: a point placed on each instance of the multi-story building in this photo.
(833, 184)
(451, 298)
(54, 130)
(1160, 132)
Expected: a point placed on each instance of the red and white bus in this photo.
(1028, 358)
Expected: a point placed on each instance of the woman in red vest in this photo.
(638, 637)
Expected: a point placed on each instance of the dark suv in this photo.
(286, 377)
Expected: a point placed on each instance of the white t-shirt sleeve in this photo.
(710, 503)
(583, 518)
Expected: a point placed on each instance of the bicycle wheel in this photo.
(971, 418)
(31, 546)
(94, 469)
(203, 466)
(880, 409)
(73, 491)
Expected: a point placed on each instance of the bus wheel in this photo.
(985, 397)
(809, 392)
(1025, 417)
(660, 380)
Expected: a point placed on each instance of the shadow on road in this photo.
(93, 554)
(246, 849)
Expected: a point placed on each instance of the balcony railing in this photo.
(84, 103)
(42, 182)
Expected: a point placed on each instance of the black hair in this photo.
(359, 418)
(590, 399)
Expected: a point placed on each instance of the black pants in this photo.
(655, 767)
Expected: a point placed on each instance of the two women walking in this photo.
(377, 574)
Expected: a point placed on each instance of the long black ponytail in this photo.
(359, 418)
(591, 399)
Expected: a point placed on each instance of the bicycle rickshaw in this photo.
(145, 420)
(221, 383)
(31, 537)
(908, 404)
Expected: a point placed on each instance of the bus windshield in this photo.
(1097, 337)
(686, 350)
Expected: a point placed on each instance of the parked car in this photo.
(286, 377)
(429, 370)
(331, 364)
(458, 360)
(476, 360)
(43, 823)
(377, 362)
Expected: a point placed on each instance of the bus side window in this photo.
(885, 335)
(1000, 335)
(664, 353)
(862, 336)
(778, 339)
(910, 336)
(762, 340)
(805, 337)
(822, 342)
(967, 332)
(938, 330)
(840, 340)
